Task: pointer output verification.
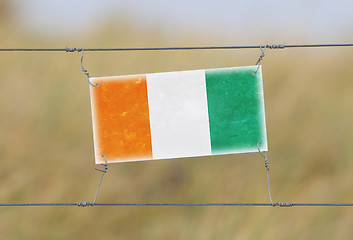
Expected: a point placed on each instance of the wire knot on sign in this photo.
(263, 48)
(260, 59)
(68, 49)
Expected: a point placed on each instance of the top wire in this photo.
(273, 46)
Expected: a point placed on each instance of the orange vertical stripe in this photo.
(121, 124)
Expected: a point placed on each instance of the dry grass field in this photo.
(47, 146)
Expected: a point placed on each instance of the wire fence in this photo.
(89, 204)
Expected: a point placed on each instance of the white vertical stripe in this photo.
(178, 114)
(263, 146)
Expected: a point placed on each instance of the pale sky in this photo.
(315, 20)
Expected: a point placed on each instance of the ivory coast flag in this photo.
(178, 114)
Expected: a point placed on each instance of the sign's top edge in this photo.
(253, 68)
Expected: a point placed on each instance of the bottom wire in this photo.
(86, 204)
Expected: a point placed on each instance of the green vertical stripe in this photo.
(236, 109)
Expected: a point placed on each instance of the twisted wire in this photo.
(82, 67)
(105, 164)
(263, 154)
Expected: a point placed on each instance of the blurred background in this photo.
(46, 136)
